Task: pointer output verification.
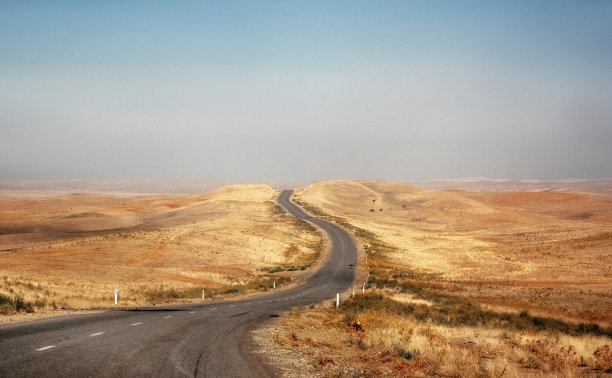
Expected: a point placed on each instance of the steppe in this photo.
(540, 251)
(462, 282)
(71, 250)
(492, 279)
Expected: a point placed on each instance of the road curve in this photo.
(211, 339)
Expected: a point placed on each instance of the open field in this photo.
(598, 188)
(539, 251)
(462, 283)
(72, 250)
(366, 338)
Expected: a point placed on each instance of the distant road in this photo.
(196, 340)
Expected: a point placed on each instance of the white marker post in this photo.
(337, 300)
(203, 294)
(274, 285)
(363, 289)
(353, 293)
(116, 296)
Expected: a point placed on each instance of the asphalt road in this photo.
(211, 339)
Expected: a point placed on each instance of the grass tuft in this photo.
(173, 293)
(14, 304)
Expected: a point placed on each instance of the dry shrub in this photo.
(6, 309)
(433, 332)
(603, 358)
(410, 346)
(325, 360)
(375, 342)
(546, 355)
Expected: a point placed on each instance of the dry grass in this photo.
(464, 284)
(72, 250)
(377, 342)
(544, 252)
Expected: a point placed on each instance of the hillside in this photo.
(72, 250)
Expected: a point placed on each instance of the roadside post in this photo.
(337, 300)
(116, 296)
(274, 285)
(203, 294)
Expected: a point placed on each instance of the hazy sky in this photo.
(312, 90)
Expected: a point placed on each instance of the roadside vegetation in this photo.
(14, 299)
(234, 242)
(304, 262)
(212, 293)
(13, 304)
(406, 325)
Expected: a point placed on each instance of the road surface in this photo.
(211, 339)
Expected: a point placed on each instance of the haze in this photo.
(276, 90)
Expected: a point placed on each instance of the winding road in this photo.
(211, 339)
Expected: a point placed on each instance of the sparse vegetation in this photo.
(10, 305)
(410, 323)
(376, 341)
(176, 293)
(455, 311)
(71, 251)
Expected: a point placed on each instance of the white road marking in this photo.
(233, 305)
(47, 347)
(96, 334)
(213, 309)
(169, 316)
(133, 324)
(192, 312)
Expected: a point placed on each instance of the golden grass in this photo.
(73, 250)
(385, 343)
(451, 275)
(544, 252)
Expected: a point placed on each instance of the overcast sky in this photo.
(313, 90)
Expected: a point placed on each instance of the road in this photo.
(210, 339)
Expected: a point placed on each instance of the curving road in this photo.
(196, 340)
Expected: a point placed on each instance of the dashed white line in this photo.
(213, 309)
(169, 316)
(233, 305)
(96, 334)
(47, 347)
(192, 312)
(133, 324)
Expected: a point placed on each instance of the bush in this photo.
(458, 312)
(196, 292)
(9, 305)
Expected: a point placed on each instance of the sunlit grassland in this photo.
(406, 324)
